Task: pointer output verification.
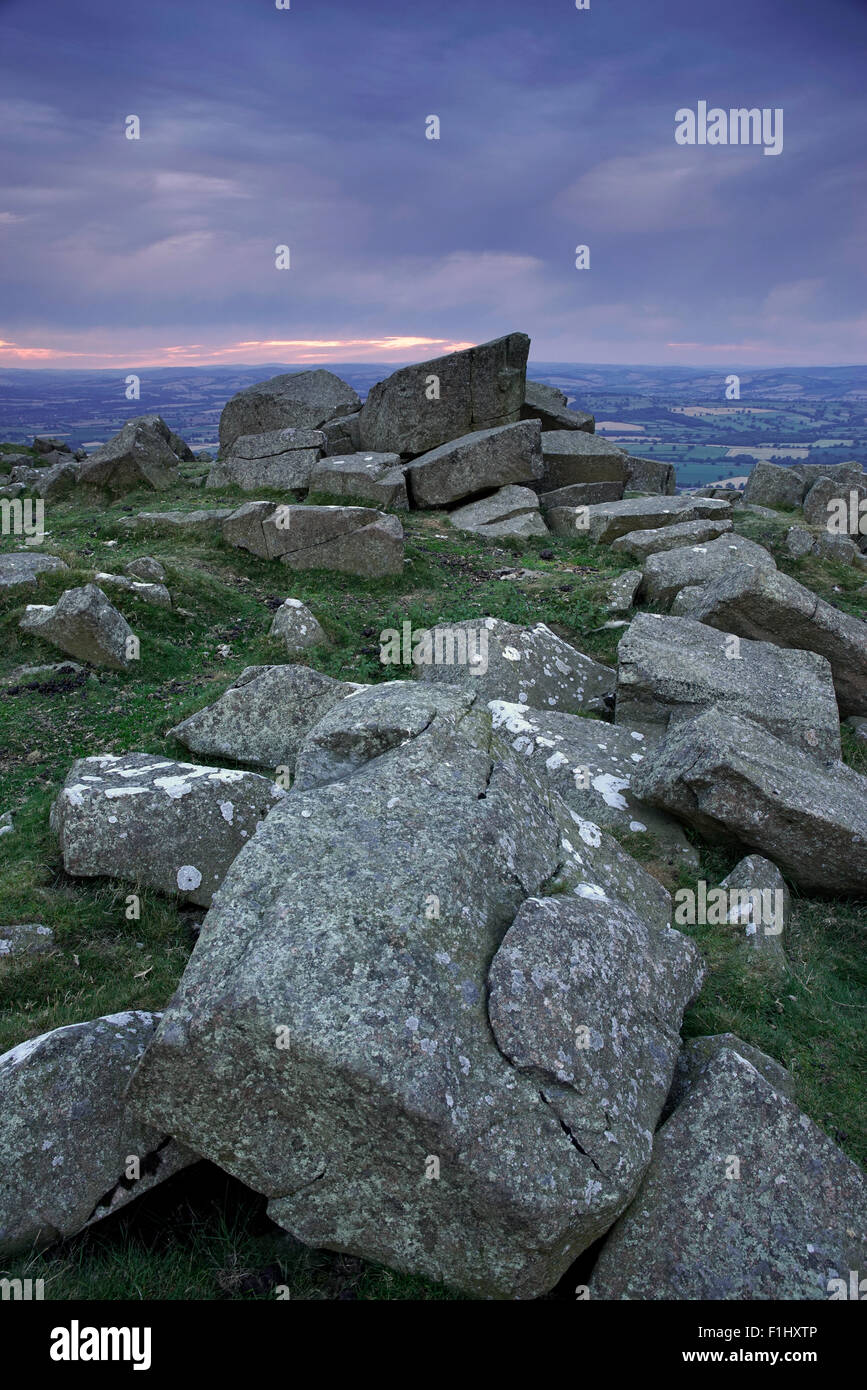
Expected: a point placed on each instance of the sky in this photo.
(306, 128)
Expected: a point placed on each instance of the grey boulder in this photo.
(19, 567)
(375, 478)
(573, 456)
(607, 520)
(295, 400)
(511, 511)
(650, 476)
(641, 544)
(280, 459)
(549, 406)
(85, 625)
(770, 485)
(475, 462)
(353, 540)
(138, 456)
(295, 627)
(669, 571)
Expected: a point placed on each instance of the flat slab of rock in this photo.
(792, 1222)
(608, 520)
(167, 522)
(280, 459)
(295, 627)
(66, 1135)
(580, 495)
(353, 540)
(731, 779)
(19, 567)
(25, 939)
(669, 571)
(85, 625)
(149, 592)
(171, 826)
(590, 764)
(522, 665)
(770, 606)
(420, 407)
(573, 456)
(294, 400)
(550, 407)
(263, 717)
(376, 478)
(475, 462)
(672, 668)
(512, 511)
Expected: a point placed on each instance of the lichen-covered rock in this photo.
(798, 542)
(279, 459)
(171, 826)
(770, 485)
(731, 779)
(138, 456)
(84, 624)
(511, 511)
(475, 462)
(295, 400)
(148, 591)
(146, 568)
(70, 1150)
(420, 407)
(522, 665)
(671, 668)
(262, 718)
(698, 1053)
(760, 905)
(19, 567)
(573, 456)
(580, 495)
(25, 939)
(376, 478)
(658, 539)
(608, 520)
(669, 571)
(745, 1199)
(295, 627)
(168, 522)
(826, 497)
(769, 606)
(352, 540)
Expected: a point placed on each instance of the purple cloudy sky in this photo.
(306, 127)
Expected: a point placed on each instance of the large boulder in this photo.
(51, 483)
(522, 665)
(572, 456)
(138, 456)
(352, 540)
(672, 668)
(20, 567)
(650, 476)
(590, 765)
(475, 463)
(167, 523)
(84, 624)
(262, 718)
(296, 400)
(825, 497)
(745, 1199)
(279, 459)
(771, 485)
(769, 606)
(377, 478)
(71, 1152)
(667, 572)
(732, 780)
(295, 627)
(171, 826)
(341, 982)
(420, 407)
(640, 544)
(607, 520)
(511, 511)
(580, 495)
(549, 406)
(48, 444)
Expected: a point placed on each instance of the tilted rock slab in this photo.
(66, 1135)
(675, 667)
(608, 520)
(666, 573)
(698, 1053)
(138, 456)
(522, 665)
(171, 826)
(277, 459)
(352, 540)
(512, 511)
(793, 1220)
(640, 544)
(729, 778)
(476, 389)
(475, 462)
(580, 495)
(572, 456)
(19, 567)
(549, 405)
(377, 478)
(330, 1044)
(84, 624)
(168, 522)
(294, 400)
(263, 717)
(650, 476)
(771, 607)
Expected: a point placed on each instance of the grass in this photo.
(201, 1235)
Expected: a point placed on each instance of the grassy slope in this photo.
(202, 1240)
